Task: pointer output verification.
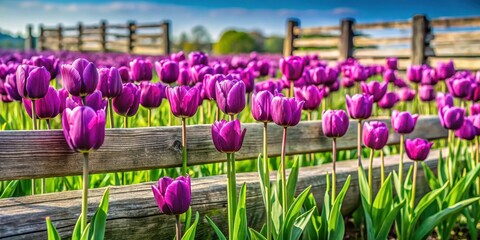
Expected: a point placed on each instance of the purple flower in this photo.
(474, 92)
(292, 67)
(198, 73)
(94, 100)
(359, 106)
(32, 82)
(50, 63)
(261, 102)
(269, 85)
(474, 109)
(389, 100)
(459, 87)
(83, 128)
(475, 119)
(126, 104)
(263, 67)
(318, 75)
(167, 71)
(248, 78)
(230, 96)
(184, 77)
(209, 82)
(228, 136)
(406, 94)
(414, 73)
(110, 82)
(173, 197)
(335, 123)
(46, 107)
(427, 93)
(183, 100)
(141, 70)
(392, 63)
(467, 131)
(332, 75)
(444, 99)
(429, 77)
(376, 89)
(403, 122)
(62, 96)
(286, 112)
(311, 95)
(151, 94)
(220, 68)
(125, 74)
(197, 58)
(358, 73)
(445, 69)
(418, 149)
(375, 134)
(389, 76)
(451, 117)
(80, 78)
(178, 57)
(11, 87)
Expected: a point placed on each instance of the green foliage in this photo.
(273, 44)
(233, 41)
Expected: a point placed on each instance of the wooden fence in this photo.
(416, 41)
(133, 213)
(150, 38)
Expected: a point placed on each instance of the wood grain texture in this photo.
(368, 41)
(456, 22)
(382, 53)
(316, 30)
(133, 213)
(316, 42)
(330, 54)
(384, 25)
(27, 154)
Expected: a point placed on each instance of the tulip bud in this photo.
(183, 100)
(110, 82)
(62, 96)
(228, 136)
(359, 106)
(11, 87)
(261, 102)
(427, 93)
(151, 94)
(459, 87)
(389, 76)
(406, 94)
(126, 104)
(467, 131)
(286, 112)
(403, 122)
(248, 79)
(392, 63)
(445, 69)
(311, 95)
(335, 123)
(474, 109)
(376, 89)
(451, 117)
(124, 74)
(184, 77)
(475, 119)
(141, 70)
(197, 58)
(167, 71)
(80, 78)
(173, 197)
(389, 100)
(292, 67)
(444, 99)
(198, 72)
(375, 134)
(178, 57)
(418, 149)
(318, 75)
(50, 63)
(94, 100)
(414, 73)
(46, 107)
(32, 82)
(230, 96)
(83, 128)
(429, 77)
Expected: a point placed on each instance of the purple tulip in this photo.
(209, 82)
(359, 106)
(292, 67)
(125, 74)
(32, 82)
(184, 77)
(261, 102)
(467, 131)
(347, 82)
(445, 69)
(94, 100)
(474, 92)
(429, 77)
(230, 96)
(444, 99)
(126, 104)
(375, 134)
(228, 136)
(376, 89)
(178, 57)
(451, 117)
(110, 82)
(392, 63)
(389, 76)
(335, 123)
(426, 93)
(151, 94)
(286, 112)
(198, 73)
(80, 78)
(418, 149)
(197, 58)
(248, 78)
(50, 63)
(11, 87)
(220, 68)
(46, 107)
(474, 109)
(358, 73)
(332, 74)
(414, 73)
(406, 94)
(263, 68)
(475, 119)
(83, 128)
(311, 95)
(400, 83)
(459, 87)
(403, 122)
(389, 100)
(269, 85)
(318, 75)
(141, 70)
(167, 71)
(183, 100)
(173, 197)
(62, 96)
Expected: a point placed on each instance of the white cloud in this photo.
(343, 11)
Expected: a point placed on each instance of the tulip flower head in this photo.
(83, 128)
(418, 148)
(80, 78)
(359, 106)
(335, 123)
(11, 87)
(459, 87)
(376, 89)
(141, 70)
(392, 63)
(311, 95)
(228, 136)
(474, 109)
(414, 73)
(110, 82)
(32, 82)
(403, 122)
(151, 94)
(183, 100)
(46, 107)
(451, 117)
(467, 131)
(286, 112)
(292, 67)
(167, 71)
(126, 104)
(375, 134)
(406, 94)
(444, 99)
(197, 58)
(427, 93)
(173, 196)
(261, 102)
(230, 96)
(389, 100)
(475, 119)
(94, 100)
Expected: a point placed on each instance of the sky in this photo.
(268, 16)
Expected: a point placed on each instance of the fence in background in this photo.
(416, 41)
(150, 38)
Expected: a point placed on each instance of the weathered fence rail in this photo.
(148, 38)
(416, 41)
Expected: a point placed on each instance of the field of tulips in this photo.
(83, 94)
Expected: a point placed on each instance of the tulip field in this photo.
(411, 138)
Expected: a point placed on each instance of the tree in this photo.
(273, 44)
(233, 41)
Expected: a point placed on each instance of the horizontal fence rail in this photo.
(133, 213)
(37, 154)
(417, 41)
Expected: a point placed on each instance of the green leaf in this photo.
(99, 219)
(240, 226)
(262, 177)
(300, 224)
(430, 177)
(365, 197)
(364, 188)
(77, 233)
(254, 235)
(312, 228)
(336, 225)
(293, 212)
(383, 202)
(86, 232)
(388, 222)
(190, 233)
(188, 218)
(10, 189)
(423, 204)
(462, 186)
(292, 182)
(429, 224)
(52, 232)
(276, 213)
(216, 229)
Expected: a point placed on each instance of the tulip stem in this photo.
(34, 115)
(184, 146)
(179, 227)
(477, 162)
(217, 116)
(382, 167)
(49, 126)
(334, 173)
(400, 165)
(292, 86)
(284, 174)
(84, 192)
(232, 193)
(414, 183)
(359, 142)
(309, 115)
(450, 159)
(370, 173)
(33, 186)
(43, 186)
(149, 120)
(110, 113)
(267, 180)
(125, 122)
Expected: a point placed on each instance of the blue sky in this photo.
(217, 15)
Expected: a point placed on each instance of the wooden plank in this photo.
(460, 63)
(316, 42)
(288, 46)
(384, 25)
(159, 147)
(367, 41)
(457, 51)
(133, 213)
(420, 29)
(402, 63)
(323, 54)
(149, 25)
(456, 22)
(455, 36)
(148, 45)
(117, 26)
(345, 47)
(147, 36)
(382, 53)
(316, 30)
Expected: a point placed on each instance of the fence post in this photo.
(29, 44)
(346, 39)
(166, 37)
(420, 39)
(131, 33)
(60, 37)
(80, 36)
(41, 38)
(290, 36)
(103, 35)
